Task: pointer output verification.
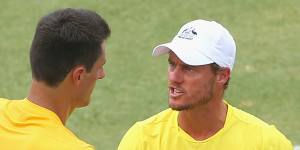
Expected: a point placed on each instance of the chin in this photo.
(176, 105)
(83, 103)
(179, 107)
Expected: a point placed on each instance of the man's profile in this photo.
(67, 57)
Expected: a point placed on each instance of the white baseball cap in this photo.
(201, 42)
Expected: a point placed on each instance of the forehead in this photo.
(102, 58)
(103, 50)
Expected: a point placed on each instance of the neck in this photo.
(203, 121)
(53, 99)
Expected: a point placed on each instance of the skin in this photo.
(197, 93)
(74, 91)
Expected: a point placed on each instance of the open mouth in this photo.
(175, 92)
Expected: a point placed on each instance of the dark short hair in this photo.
(64, 39)
(215, 68)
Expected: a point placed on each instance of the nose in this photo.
(101, 74)
(175, 75)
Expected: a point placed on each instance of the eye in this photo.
(188, 68)
(171, 65)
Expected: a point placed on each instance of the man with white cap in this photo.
(201, 59)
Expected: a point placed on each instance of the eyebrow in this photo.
(189, 66)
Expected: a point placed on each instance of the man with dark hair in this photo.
(201, 58)
(67, 57)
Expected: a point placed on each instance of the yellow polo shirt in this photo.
(27, 126)
(241, 131)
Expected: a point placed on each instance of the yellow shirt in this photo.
(241, 131)
(27, 126)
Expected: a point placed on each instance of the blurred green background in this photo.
(265, 80)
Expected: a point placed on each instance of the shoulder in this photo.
(154, 124)
(3, 101)
(59, 139)
(159, 118)
(274, 139)
(158, 122)
(150, 127)
(42, 132)
(66, 145)
(269, 134)
(247, 118)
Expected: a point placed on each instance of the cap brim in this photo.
(187, 55)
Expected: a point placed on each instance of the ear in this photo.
(223, 76)
(78, 74)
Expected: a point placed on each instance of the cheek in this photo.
(192, 85)
(197, 86)
(89, 89)
(90, 83)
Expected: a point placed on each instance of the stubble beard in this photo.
(203, 100)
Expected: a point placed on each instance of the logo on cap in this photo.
(188, 33)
